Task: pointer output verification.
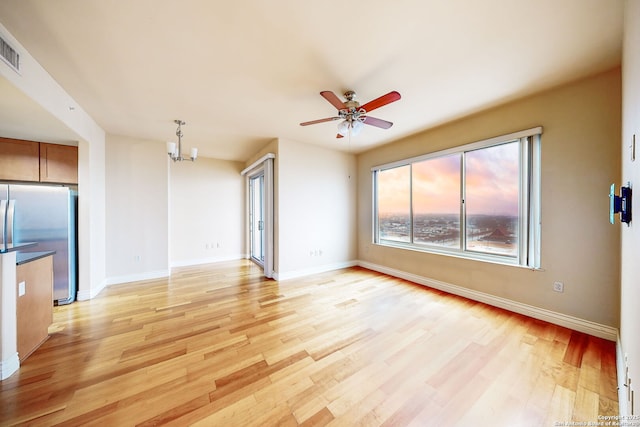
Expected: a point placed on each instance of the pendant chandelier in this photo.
(175, 151)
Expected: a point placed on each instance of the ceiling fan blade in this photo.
(377, 122)
(313, 122)
(339, 136)
(333, 99)
(381, 101)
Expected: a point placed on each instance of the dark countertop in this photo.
(25, 257)
(18, 246)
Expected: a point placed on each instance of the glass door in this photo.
(256, 217)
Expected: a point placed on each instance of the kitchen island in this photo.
(34, 311)
(9, 356)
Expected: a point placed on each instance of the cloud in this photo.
(492, 180)
(436, 185)
(492, 183)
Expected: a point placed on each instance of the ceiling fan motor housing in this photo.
(352, 105)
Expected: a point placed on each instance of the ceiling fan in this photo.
(353, 114)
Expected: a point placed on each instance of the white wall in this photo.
(316, 209)
(580, 159)
(206, 211)
(38, 85)
(137, 215)
(91, 218)
(162, 214)
(630, 270)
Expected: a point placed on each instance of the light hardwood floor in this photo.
(218, 345)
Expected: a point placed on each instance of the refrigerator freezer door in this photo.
(46, 215)
(4, 201)
(8, 231)
(3, 221)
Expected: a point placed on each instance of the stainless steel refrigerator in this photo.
(46, 215)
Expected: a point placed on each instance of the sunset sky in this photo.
(491, 184)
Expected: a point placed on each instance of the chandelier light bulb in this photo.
(175, 150)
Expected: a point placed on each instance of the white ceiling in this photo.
(242, 73)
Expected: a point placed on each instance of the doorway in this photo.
(256, 218)
(260, 217)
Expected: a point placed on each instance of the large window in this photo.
(394, 204)
(478, 201)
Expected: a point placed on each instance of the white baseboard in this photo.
(313, 270)
(9, 366)
(577, 324)
(149, 275)
(209, 260)
(85, 295)
(623, 403)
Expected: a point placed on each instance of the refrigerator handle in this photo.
(11, 210)
(3, 220)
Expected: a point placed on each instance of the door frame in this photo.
(256, 225)
(264, 165)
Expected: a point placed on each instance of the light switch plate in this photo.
(22, 289)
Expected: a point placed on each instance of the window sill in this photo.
(471, 256)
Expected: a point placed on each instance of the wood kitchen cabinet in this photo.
(19, 160)
(34, 310)
(58, 163)
(32, 161)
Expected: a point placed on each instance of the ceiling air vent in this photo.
(9, 54)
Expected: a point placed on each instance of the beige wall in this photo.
(580, 159)
(630, 274)
(316, 208)
(206, 211)
(137, 216)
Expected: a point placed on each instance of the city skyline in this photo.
(497, 234)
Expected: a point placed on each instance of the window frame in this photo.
(529, 221)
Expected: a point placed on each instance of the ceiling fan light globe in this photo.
(356, 127)
(343, 128)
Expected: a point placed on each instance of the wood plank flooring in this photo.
(218, 345)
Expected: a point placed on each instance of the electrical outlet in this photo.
(22, 288)
(558, 286)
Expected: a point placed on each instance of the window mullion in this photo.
(411, 203)
(534, 208)
(524, 199)
(463, 205)
(376, 213)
